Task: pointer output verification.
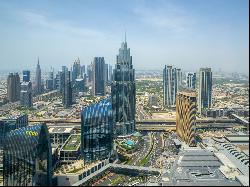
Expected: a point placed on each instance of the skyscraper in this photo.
(205, 89)
(26, 94)
(186, 108)
(90, 72)
(66, 85)
(26, 76)
(98, 76)
(110, 77)
(50, 80)
(97, 131)
(76, 70)
(172, 80)
(123, 92)
(179, 76)
(13, 87)
(106, 73)
(27, 157)
(191, 80)
(38, 79)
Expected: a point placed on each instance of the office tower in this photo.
(38, 79)
(76, 70)
(179, 76)
(106, 73)
(26, 94)
(172, 79)
(205, 89)
(97, 131)
(186, 108)
(191, 80)
(98, 76)
(57, 81)
(123, 92)
(90, 72)
(50, 81)
(79, 85)
(110, 73)
(66, 86)
(7, 125)
(27, 157)
(26, 76)
(13, 87)
(83, 71)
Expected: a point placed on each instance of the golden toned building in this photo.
(186, 108)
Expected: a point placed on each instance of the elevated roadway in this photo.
(167, 121)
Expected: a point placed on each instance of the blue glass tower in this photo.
(27, 157)
(26, 76)
(123, 92)
(97, 131)
(205, 89)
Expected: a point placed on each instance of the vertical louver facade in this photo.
(186, 108)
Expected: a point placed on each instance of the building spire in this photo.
(38, 61)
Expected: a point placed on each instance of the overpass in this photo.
(120, 169)
(56, 120)
(163, 122)
(201, 126)
(240, 119)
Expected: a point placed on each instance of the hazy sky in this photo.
(185, 33)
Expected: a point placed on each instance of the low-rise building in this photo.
(59, 135)
(70, 150)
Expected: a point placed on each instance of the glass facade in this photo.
(205, 89)
(123, 93)
(99, 76)
(6, 125)
(27, 157)
(97, 131)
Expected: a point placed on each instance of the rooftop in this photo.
(72, 143)
(54, 130)
(199, 168)
(237, 138)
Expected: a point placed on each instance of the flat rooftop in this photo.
(199, 168)
(237, 138)
(72, 143)
(54, 130)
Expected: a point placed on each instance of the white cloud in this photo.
(164, 16)
(60, 26)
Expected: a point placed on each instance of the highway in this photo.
(150, 121)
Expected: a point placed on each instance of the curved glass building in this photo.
(27, 157)
(97, 131)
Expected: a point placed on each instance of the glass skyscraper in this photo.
(66, 87)
(76, 70)
(13, 87)
(38, 80)
(99, 69)
(27, 157)
(97, 131)
(205, 89)
(26, 75)
(123, 92)
(191, 80)
(172, 80)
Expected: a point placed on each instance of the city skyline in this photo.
(176, 33)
